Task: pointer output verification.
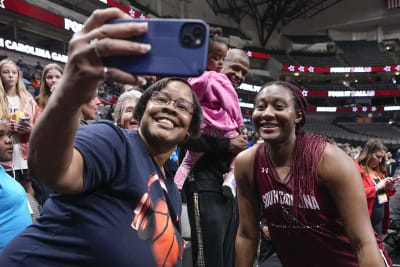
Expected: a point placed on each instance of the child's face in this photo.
(216, 55)
(6, 146)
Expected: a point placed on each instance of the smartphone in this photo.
(394, 180)
(179, 47)
(24, 119)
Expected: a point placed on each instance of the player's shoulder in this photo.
(246, 158)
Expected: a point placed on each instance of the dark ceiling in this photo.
(270, 15)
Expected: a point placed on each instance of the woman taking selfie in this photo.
(115, 208)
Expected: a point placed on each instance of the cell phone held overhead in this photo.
(179, 47)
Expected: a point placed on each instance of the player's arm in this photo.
(342, 178)
(249, 215)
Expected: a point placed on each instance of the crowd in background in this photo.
(125, 106)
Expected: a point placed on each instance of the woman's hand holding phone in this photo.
(86, 50)
(391, 184)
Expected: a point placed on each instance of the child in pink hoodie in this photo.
(220, 104)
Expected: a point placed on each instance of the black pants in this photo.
(266, 251)
(213, 221)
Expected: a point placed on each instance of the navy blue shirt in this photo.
(127, 214)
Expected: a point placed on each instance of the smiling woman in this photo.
(123, 110)
(171, 88)
(118, 208)
(310, 191)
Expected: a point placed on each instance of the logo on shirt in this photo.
(153, 222)
(264, 170)
(2, 5)
(274, 197)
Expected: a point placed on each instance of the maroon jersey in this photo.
(317, 237)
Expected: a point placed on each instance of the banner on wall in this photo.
(32, 50)
(294, 68)
(337, 109)
(315, 93)
(68, 24)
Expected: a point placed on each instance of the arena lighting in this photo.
(358, 93)
(296, 74)
(349, 69)
(351, 93)
(397, 73)
(338, 109)
(32, 50)
(388, 68)
(348, 109)
(249, 87)
(326, 109)
(391, 108)
(246, 105)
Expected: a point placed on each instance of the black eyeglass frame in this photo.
(176, 101)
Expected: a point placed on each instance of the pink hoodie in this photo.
(218, 100)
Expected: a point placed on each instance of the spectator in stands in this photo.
(213, 217)
(14, 212)
(20, 62)
(309, 190)
(397, 171)
(123, 111)
(378, 187)
(35, 80)
(38, 67)
(52, 73)
(129, 87)
(17, 104)
(117, 209)
(390, 164)
(250, 139)
(89, 110)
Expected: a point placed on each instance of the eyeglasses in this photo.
(181, 104)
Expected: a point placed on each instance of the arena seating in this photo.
(325, 127)
(285, 59)
(377, 129)
(349, 53)
(364, 53)
(320, 60)
(352, 132)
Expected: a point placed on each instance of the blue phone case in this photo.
(167, 57)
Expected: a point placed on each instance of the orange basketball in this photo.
(166, 243)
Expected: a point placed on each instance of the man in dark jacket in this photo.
(213, 217)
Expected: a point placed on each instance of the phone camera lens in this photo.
(187, 40)
(197, 31)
